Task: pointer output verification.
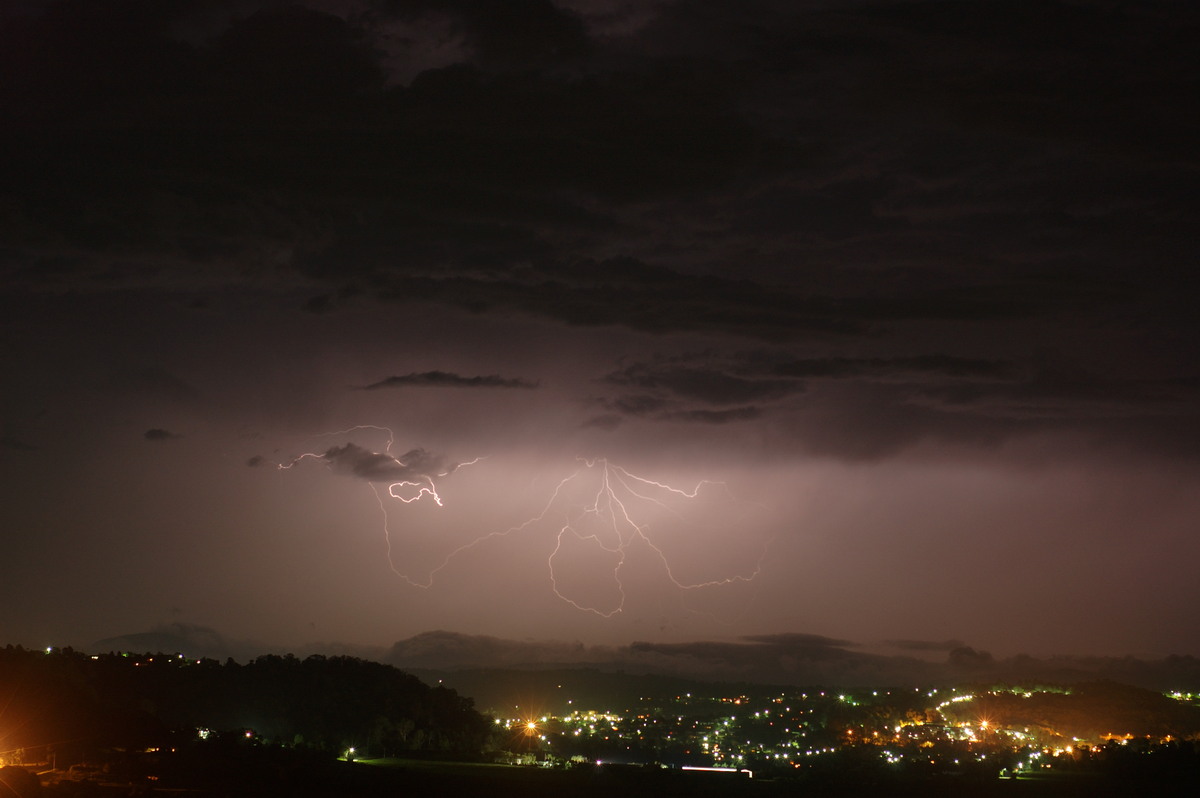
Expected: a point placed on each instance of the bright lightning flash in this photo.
(410, 476)
(601, 511)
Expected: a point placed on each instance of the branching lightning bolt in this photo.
(614, 504)
(377, 466)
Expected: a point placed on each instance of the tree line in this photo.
(64, 702)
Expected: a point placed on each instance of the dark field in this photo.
(439, 778)
(406, 777)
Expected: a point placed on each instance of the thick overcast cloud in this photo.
(908, 277)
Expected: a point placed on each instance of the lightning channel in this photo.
(599, 507)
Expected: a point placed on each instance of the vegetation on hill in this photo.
(62, 702)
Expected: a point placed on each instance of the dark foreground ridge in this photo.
(137, 724)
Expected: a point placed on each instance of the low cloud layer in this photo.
(416, 464)
(789, 659)
(445, 379)
(191, 640)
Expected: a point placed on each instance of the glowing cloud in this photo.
(410, 476)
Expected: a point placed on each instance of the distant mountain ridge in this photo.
(791, 659)
(784, 659)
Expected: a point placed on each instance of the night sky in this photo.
(603, 321)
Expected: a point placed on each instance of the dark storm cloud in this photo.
(798, 639)
(705, 384)
(868, 407)
(819, 174)
(639, 119)
(622, 291)
(607, 421)
(871, 407)
(1069, 392)
(445, 379)
(708, 388)
(16, 444)
(694, 389)
(842, 367)
(256, 461)
(322, 303)
(381, 467)
(515, 34)
(639, 405)
(965, 658)
(157, 434)
(154, 381)
(774, 374)
(132, 62)
(726, 416)
(925, 645)
(894, 392)
(653, 407)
